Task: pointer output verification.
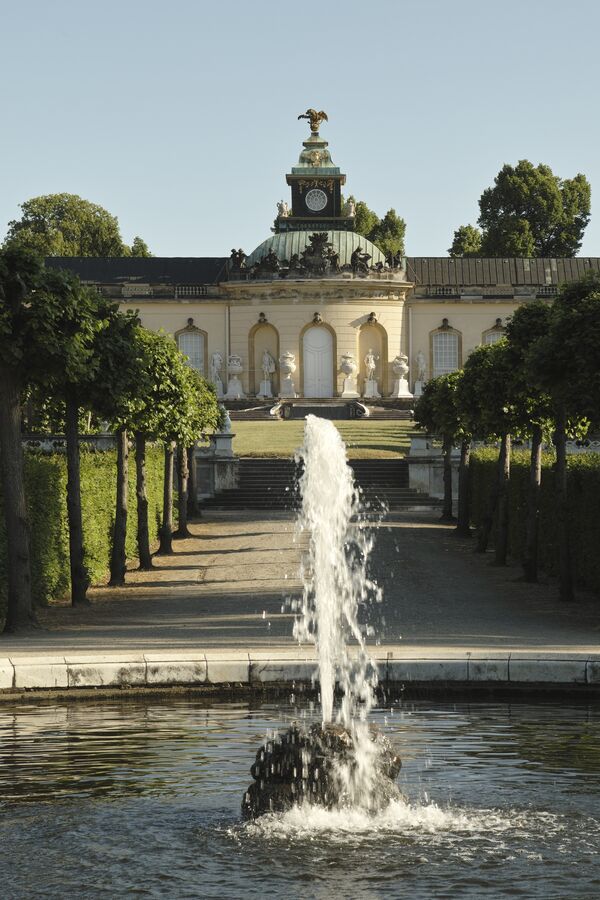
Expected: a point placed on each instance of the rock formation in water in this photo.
(313, 765)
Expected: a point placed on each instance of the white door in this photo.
(318, 362)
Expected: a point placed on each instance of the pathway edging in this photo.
(192, 668)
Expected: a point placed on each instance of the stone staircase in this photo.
(271, 484)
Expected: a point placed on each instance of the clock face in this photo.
(316, 200)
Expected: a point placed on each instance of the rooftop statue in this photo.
(315, 119)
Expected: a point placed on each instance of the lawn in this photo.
(364, 439)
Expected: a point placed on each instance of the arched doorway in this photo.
(317, 361)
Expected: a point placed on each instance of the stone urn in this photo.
(287, 367)
(235, 367)
(400, 365)
(349, 368)
(400, 369)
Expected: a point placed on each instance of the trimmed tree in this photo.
(47, 328)
(566, 363)
(20, 275)
(116, 393)
(437, 411)
(533, 411)
(485, 403)
(203, 413)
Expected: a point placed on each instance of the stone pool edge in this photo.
(72, 674)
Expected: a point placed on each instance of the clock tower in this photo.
(316, 185)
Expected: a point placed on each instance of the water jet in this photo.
(343, 760)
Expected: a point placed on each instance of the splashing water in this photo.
(336, 586)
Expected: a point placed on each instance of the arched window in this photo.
(446, 350)
(192, 344)
(494, 334)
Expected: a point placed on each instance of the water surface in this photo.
(142, 799)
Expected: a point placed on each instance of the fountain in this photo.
(343, 761)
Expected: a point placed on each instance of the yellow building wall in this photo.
(471, 319)
(172, 317)
(291, 318)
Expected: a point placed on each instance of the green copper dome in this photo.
(344, 243)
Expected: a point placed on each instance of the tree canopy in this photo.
(529, 211)
(68, 225)
(387, 233)
(467, 242)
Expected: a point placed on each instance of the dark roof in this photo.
(443, 270)
(153, 270)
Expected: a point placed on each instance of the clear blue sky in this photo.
(180, 117)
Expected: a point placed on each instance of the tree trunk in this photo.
(20, 611)
(463, 527)
(79, 576)
(118, 557)
(182, 498)
(447, 459)
(166, 529)
(192, 508)
(484, 529)
(143, 534)
(503, 501)
(562, 512)
(530, 559)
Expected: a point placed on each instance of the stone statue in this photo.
(226, 418)
(421, 366)
(316, 258)
(315, 118)
(334, 260)
(268, 365)
(283, 209)
(216, 364)
(370, 364)
(394, 260)
(238, 260)
(360, 261)
(370, 389)
(267, 265)
(350, 209)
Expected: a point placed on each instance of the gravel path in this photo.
(225, 588)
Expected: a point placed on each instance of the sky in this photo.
(180, 117)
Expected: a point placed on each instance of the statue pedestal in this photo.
(419, 388)
(401, 390)
(218, 388)
(287, 390)
(371, 392)
(234, 389)
(221, 443)
(350, 392)
(265, 390)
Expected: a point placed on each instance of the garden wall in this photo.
(584, 509)
(46, 490)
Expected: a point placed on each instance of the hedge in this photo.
(584, 509)
(46, 491)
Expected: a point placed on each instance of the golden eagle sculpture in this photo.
(315, 118)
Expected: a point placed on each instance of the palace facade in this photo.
(316, 306)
